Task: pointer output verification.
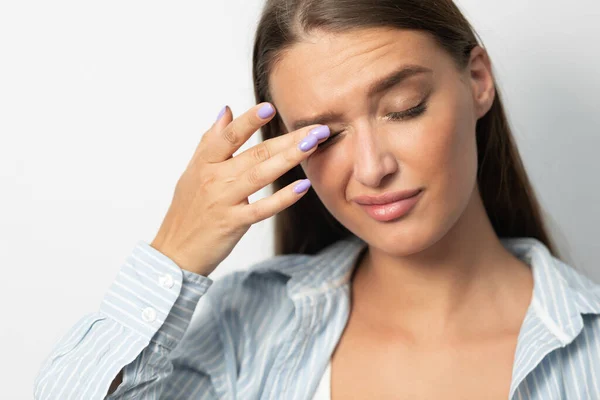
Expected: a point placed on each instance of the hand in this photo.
(210, 211)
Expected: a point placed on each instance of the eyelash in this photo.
(394, 116)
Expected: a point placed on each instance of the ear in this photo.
(482, 81)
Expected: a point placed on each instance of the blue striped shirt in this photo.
(268, 332)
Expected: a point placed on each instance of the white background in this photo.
(103, 103)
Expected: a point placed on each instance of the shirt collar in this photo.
(312, 274)
(560, 292)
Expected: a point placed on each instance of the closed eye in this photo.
(411, 112)
(332, 138)
(394, 116)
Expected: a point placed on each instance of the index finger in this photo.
(226, 136)
(267, 149)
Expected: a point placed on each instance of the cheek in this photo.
(324, 170)
(329, 173)
(452, 152)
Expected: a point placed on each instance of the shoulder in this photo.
(273, 272)
(585, 289)
(258, 290)
(562, 287)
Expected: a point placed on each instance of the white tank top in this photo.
(324, 389)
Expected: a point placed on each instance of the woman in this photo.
(420, 266)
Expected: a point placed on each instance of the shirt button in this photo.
(149, 314)
(166, 281)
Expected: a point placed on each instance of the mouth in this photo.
(386, 198)
(393, 209)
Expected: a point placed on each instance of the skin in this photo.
(435, 287)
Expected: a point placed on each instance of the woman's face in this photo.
(380, 148)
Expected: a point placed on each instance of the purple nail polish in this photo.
(320, 132)
(221, 113)
(308, 142)
(265, 111)
(302, 186)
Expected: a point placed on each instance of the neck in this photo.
(449, 289)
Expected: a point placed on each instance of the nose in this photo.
(373, 160)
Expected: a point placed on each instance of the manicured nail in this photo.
(302, 186)
(308, 142)
(221, 113)
(266, 111)
(321, 132)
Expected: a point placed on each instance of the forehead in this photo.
(325, 67)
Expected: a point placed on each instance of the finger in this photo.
(267, 149)
(224, 139)
(275, 203)
(223, 118)
(266, 172)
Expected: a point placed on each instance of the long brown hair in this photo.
(307, 226)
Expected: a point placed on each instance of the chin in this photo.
(401, 239)
(399, 244)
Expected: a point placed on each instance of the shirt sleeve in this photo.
(142, 319)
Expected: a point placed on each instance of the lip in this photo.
(386, 198)
(392, 210)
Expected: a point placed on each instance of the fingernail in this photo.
(266, 111)
(320, 131)
(308, 142)
(221, 113)
(302, 186)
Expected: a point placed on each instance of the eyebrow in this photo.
(377, 87)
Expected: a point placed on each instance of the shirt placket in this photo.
(289, 357)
